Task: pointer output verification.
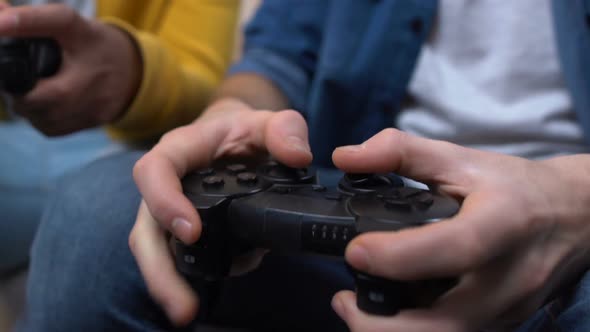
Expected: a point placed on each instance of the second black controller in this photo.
(282, 209)
(23, 61)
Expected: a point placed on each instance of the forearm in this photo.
(183, 62)
(254, 90)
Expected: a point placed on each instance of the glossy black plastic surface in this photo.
(270, 206)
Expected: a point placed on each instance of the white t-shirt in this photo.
(489, 78)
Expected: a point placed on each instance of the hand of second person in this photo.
(522, 234)
(98, 78)
(226, 128)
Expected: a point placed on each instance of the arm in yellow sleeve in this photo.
(183, 61)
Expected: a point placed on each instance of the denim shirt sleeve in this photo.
(281, 44)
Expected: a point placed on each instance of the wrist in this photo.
(129, 69)
(228, 104)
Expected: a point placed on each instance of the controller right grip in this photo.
(380, 296)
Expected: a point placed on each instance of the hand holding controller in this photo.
(24, 61)
(279, 208)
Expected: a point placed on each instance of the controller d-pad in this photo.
(235, 168)
(247, 178)
(213, 181)
(206, 171)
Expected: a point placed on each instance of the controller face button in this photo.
(247, 178)
(206, 171)
(213, 181)
(236, 168)
(272, 163)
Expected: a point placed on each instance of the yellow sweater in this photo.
(186, 46)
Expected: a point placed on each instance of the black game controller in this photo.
(283, 209)
(24, 60)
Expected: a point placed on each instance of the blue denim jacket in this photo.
(346, 64)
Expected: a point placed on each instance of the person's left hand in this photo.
(99, 75)
(522, 234)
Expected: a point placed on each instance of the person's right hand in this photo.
(98, 78)
(227, 128)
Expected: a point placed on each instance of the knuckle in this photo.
(160, 212)
(70, 16)
(535, 281)
(132, 241)
(144, 167)
(140, 167)
(472, 245)
(173, 136)
(393, 135)
(59, 90)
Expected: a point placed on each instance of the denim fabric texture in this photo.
(84, 278)
(345, 65)
(29, 166)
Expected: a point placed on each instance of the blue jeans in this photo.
(84, 278)
(29, 165)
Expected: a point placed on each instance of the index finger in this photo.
(447, 248)
(148, 244)
(158, 176)
(52, 20)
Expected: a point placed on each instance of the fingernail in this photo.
(352, 148)
(182, 229)
(338, 306)
(8, 22)
(296, 143)
(358, 257)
